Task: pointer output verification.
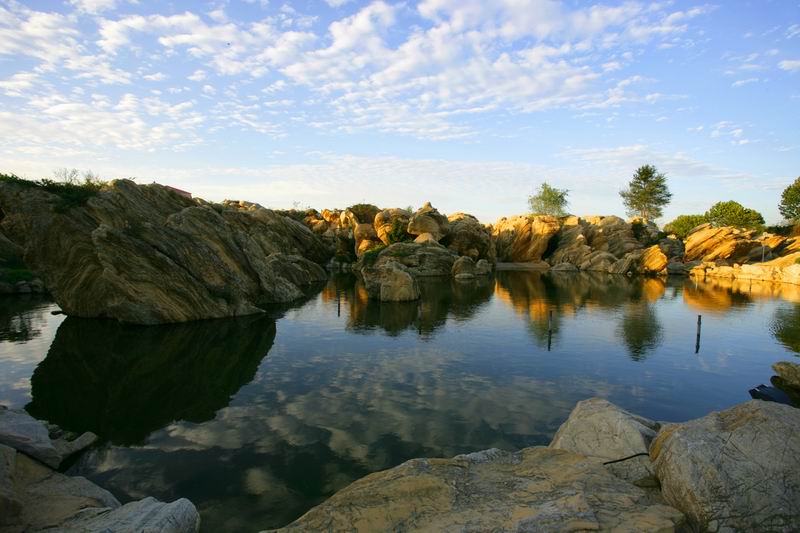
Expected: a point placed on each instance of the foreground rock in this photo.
(422, 260)
(788, 372)
(147, 255)
(35, 497)
(735, 470)
(536, 489)
(597, 428)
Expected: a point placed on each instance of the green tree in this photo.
(734, 214)
(549, 201)
(682, 225)
(790, 202)
(647, 193)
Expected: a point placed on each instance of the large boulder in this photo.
(468, 237)
(391, 224)
(611, 234)
(536, 489)
(22, 432)
(420, 259)
(734, 470)
(390, 282)
(672, 248)
(524, 238)
(464, 268)
(707, 243)
(428, 220)
(365, 238)
(597, 428)
(147, 255)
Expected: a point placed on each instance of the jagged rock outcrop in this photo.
(468, 237)
(734, 470)
(768, 271)
(22, 432)
(428, 220)
(524, 238)
(365, 238)
(390, 281)
(707, 243)
(672, 248)
(536, 489)
(147, 255)
(391, 224)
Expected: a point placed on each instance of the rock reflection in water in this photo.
(786, 327)
(123, 382)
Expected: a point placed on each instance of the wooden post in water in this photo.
(699, 324)
(549, 330)
(338, 304)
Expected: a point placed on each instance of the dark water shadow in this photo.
(123, 382)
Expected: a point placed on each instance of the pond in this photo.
(257, 419)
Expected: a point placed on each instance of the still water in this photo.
(257, 419)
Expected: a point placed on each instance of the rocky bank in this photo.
(606, 469)
(34, 496)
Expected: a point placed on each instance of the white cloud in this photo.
(198, 75)
(790, 64)
(94, 6)
(739, 83)
(158, 76)
(19, 84)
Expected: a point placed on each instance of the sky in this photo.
(468, 104)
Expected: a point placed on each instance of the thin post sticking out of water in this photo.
(699, 324)
(338, 304)
(549, 330)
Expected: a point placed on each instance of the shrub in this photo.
(734, 214)
(369, 257)
(398, 232)
(74, 192)
(684, 224)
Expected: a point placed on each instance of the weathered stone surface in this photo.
(768, 271)
(564, 267)
(22, 432)
(707, 243)
(468, 237)
(366, 238)
(536, 489)
(390, 281)
(610, 234)
(653, 260)
(598, 428)
(148, 515)
(788, 372)
(426, 238)
(420, 259)
(524, 238)
(146, 255)
(464, 268)
(390, 222)
(734, 470)
(672, 248)
(598, 261)
(645, 231)
(66, 448)
(483, 267)
(428, 220)
(10, 505)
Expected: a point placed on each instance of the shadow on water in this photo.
(123, 382)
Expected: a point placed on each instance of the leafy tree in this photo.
(549, 201)
(734, 214)
(790, 202)
(647, 193)
(682, 225)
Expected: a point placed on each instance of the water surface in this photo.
(257, 419)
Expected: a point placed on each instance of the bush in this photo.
(734, 214)
(782, 230)
(369, 257)
(398, 232)
(684, 224)
(74, 192)
(549, 201)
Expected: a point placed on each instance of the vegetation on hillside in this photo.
(549, 201)
(647, 193)
(790, 202)
(73, 189)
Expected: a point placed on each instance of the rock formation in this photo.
(35, 497)
(470, 238)
(428, 220)
(524, 238)
(735, 470)
(391, 224)
(147, 255)
(390, 281)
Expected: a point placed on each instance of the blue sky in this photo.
(469, 104)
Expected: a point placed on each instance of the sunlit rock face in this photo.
(146, 255)
(734, 470)
(427, 219)
(524, 238)
(468, 237)
(492, 490)
(707, 243)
